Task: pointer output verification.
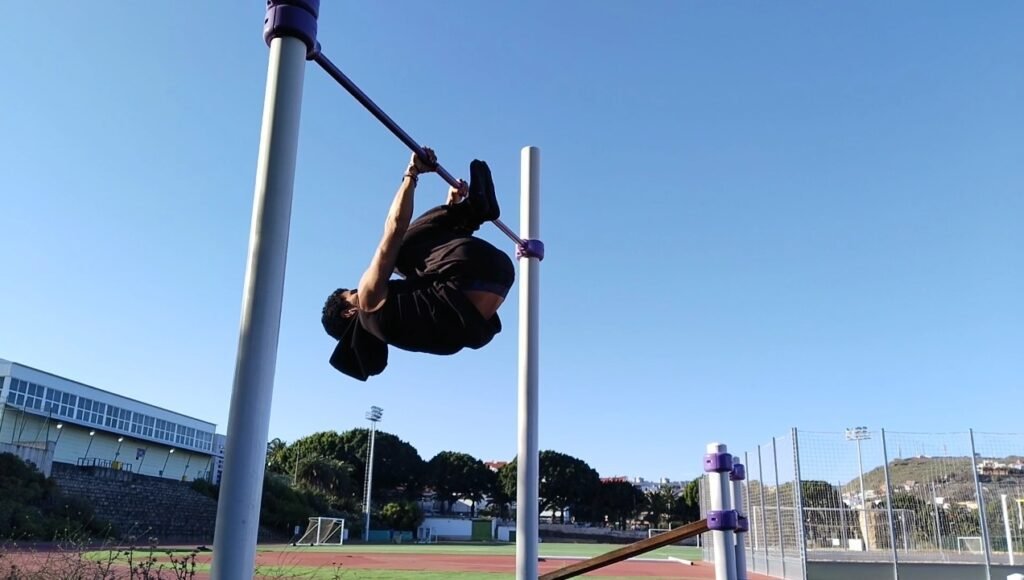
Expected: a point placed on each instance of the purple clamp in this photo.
(296, 18)
(742, 524)
(530, 249)
(717, 463)
(722, 520)
(738, 473)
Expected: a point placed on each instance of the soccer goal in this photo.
(323, 532)
(970, 544)
(426, 535)
(651, 532)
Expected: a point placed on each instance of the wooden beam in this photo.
(627, 552)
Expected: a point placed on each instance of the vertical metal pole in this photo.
(1008, 529)
(888, 508)
(843, 533)
(938, 522)
(983, 520)
(245, 452)
(798, 493)
(751, 517)
(865, 514)
(764, 527)
(528, 475)
(723, 541)
(778, 507)
(736, 479)
(369, 480)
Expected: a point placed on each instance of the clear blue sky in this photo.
(757, 216)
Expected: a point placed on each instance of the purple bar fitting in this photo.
(530, 249)
(326, 64)
(295, 18)
(721, 520)
(738, 473)
(717, 463)
(742, 524)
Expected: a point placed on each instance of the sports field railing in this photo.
(882, 496)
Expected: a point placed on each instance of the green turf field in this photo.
(546, 549)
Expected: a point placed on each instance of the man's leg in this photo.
(448, 222)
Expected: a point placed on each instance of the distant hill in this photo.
(952, 476)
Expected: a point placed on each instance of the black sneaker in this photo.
(481, 192)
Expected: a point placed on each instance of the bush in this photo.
(401, 516)
(33, 508)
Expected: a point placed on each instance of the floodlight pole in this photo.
(290, 30)
(859, 434)
(373, 415)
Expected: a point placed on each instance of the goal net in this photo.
(651, 532)
(970, 544)
(323, 532)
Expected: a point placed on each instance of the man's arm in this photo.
(373, 286)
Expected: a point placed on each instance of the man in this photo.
(453, 282)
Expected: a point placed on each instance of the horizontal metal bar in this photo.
(326, 64)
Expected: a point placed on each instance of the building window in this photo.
(17, 394)
(147, 430)
(112, 413)
(98, 409)
(67, 405)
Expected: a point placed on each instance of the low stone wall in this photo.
(141, 506)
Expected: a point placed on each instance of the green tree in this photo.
(454, 476)
(658, 503)
(326, 475)
(398, 470)
(277, 454)
(503, 490)
(686, 507)
(617, 502)
(404, 516)
(566, 482)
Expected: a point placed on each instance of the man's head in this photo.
(340, 308)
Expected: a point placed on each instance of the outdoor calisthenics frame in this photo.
(290, 30)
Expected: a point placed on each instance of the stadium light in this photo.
(373, 416)
(92, 435)
(120, 441)
(859, 434)
(60, 430)
(169, 453)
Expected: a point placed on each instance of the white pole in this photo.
(369, 480)
(865, 514)
(724, 541)
(737, 503)
(528, 475)
(245, 453)
(1008, 528)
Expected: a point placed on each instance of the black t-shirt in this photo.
(431, 316)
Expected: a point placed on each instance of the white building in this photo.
(59, 420)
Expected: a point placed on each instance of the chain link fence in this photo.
(883, 497)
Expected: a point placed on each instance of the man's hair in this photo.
(331, 317)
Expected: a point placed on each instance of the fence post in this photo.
(798, 500)
(778, 508)
(749, 512)
(981, 510)
(722, 517)
(764, 528)
(1008, 528)
(888, 509)
(737, 478)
